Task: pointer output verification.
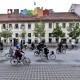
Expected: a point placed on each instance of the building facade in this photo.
(17, 22)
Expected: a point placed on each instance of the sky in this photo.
(56, 5)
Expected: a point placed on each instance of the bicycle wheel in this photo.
(52, 56)
(36, 53)
(8, 56)
(26, 61)
(63, 51)
(76, 47)
(43, 56)
(14, 61)
(2, 53)
(57, 51)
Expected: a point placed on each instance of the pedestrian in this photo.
(21, 45)
(1, 46)
(25, 46)
(11, 50)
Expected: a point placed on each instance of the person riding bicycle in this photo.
(40, 47)
(46, 51)
(32, 45)
(60, 45)
(18, 53)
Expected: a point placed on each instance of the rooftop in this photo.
(56, 16)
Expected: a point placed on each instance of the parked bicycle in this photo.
(51, 55)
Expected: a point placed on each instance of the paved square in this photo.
(40, 72)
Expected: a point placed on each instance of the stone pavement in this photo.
(40, 72)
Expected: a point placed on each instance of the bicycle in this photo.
(2, 53)
(51, 56)
(75, 47)
(8, 55)
(63, 50)
(37, 53)
(15, 61)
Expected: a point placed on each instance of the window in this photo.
(3, 26)
(10, 26)
(71, 24)
(16, 26)
(64, 25)
(10, 41)
(29, 26)
(22, 26)
(57, 24)
(16, 35)
(29, 34)
(36, 41)
(57, 40)
(70, 40)
(29, 41)
(50, 25)
(36, 35)
(50, 34)
(50, 40)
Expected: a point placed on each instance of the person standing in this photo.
(1, 46)
(21, 45)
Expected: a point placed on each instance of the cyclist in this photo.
(18, 53)
(32, 45)
(39, 47)
(60, 45)
(46, 51)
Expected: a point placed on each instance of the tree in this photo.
(39, 30)
(57, 32)
(74, 31)
(23, 34)
(6, 33)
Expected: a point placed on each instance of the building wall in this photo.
(75, 8)
(47, 30)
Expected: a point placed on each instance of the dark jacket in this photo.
(1, 46)
(46, 51)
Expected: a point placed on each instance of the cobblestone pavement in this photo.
(40, 72)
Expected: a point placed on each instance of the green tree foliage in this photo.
(39, 30)
(74, 31)
(6, 33)
(57, 32)
(23, 33)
